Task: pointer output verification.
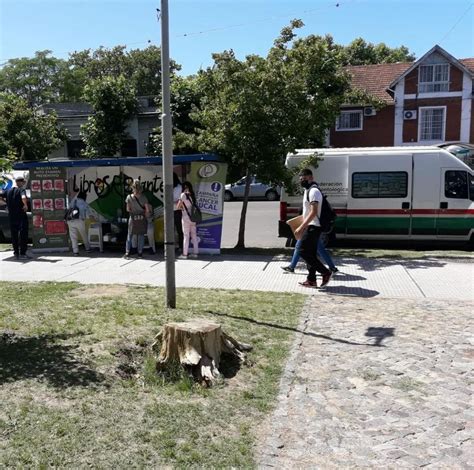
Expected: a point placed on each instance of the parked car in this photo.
(258, 190)
(464, 151)
(5, 235)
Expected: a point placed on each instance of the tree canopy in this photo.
(25, 134)
(114, 103)
(254, 111)
(360, 52)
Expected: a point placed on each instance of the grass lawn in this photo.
(78, 387)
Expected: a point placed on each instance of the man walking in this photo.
(17, 204)
(310, 230)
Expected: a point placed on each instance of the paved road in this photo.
(261, 224)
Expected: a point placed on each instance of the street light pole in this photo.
(167, 158)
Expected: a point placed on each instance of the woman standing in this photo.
(177, 190)
(139, 209)
(185, 204)
(77, 226)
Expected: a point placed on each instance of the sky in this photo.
(199, 28)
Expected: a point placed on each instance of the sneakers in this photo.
(25, 256)
(288, 269)
(75, 254)
(308, 283)
(326, 279)
(140, 255)
(334, 270)
(126, 255)
(89, 250)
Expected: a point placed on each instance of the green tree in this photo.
(254, 111)
(141, 67)
(25, 134)
(185, 98)
(360, 52)
(40, 79)
(114, 103)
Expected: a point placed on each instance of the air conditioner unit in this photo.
(369, 112)
(409, 114)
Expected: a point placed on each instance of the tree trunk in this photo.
(197, 345)
(243, 214)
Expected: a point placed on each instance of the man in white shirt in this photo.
(311, 230)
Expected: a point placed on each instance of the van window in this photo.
(383, 184)
(455, 185)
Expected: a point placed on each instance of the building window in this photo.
(349, 121)
(432, 124)
(433, 78)
(386, 184)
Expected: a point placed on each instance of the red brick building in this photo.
(426, 102)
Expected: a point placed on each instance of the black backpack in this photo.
(328, 214)
(196, 214)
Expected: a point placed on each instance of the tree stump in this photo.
(197, 345)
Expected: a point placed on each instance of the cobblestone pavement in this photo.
(376, 383)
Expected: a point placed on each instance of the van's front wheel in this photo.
(228, 196)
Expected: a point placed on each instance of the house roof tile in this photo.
(375, 79)
(469, 63)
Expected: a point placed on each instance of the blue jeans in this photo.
(322, 253)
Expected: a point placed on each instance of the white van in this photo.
(390, 193)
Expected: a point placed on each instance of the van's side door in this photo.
(456, 207)
(424, 215)
(380, 196)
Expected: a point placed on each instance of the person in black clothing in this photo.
(310, 230)
(177, 190)
(17, 204)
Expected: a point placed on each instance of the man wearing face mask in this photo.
(310, 230)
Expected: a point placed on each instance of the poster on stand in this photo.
(48, 206)
(208, 180)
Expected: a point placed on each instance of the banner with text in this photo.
(48, 206)
(208, 180)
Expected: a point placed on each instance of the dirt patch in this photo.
(100, 291)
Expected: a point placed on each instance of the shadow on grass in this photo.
(289, 328)
(42, 358)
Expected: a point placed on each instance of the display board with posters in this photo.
(107, 183)
(208, 180)
(48, 206)
(107, 188)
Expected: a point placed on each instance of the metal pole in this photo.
(167, 159)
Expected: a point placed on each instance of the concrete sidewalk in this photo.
(358, 277)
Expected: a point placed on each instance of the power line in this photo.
(221, 28)
(261, 20)
(457, 22)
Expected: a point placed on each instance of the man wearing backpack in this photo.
(310, 230)
(17, 204)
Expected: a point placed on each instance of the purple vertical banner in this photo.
(208, 180)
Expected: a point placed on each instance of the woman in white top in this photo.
(77, 227)
(187, 199)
